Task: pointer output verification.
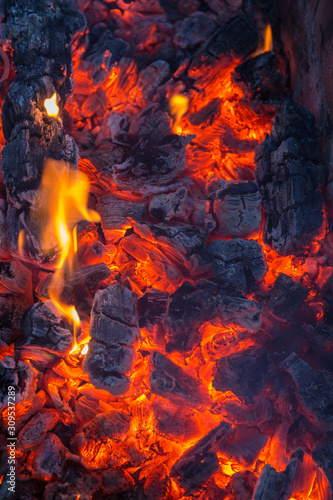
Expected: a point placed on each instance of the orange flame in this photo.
(178, 106)
(51, 106)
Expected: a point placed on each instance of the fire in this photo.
(268, 42)
(62, 203)
(178, 106)
(51, 106)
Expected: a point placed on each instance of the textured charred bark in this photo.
(40, 36)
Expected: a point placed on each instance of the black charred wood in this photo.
(246, 445)
(289, 175)
(239, 35)
(245, 373)
(200, 462)
(323, 456)
(238, 264)
(169, 380)
(262, 78)
(286, 297)
(314, 391)
(152, 307)
(42, 327)
(113, 330)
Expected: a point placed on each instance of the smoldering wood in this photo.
(264, 83)
(289, 175)
(176, 204)
(88, 277)
(117, 480)
(175, 421)
(113, 331)
(76, 481)
(237, 208)
(169, 380)
(21, 376)
(192, 305)
(152, 307)
(246, 445)
(271, 485)
(314, 391)
(242, 485)
(245, 373)
(202, 215)
(116, 213)
(238, 35)
(49, 458)
(238, 264)
(43, 66)
(34, 431)
(323, 456)
(43, 327)
(148, 167)
(286, 297)
(206, 114)
(194, 30)
(150, 123)
(200, 462)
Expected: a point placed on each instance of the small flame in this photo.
(178, 106)
(51, 106)
(268, 43)
(63, 202)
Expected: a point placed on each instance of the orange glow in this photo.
(178, 106)
(268, 43)
(51, 106)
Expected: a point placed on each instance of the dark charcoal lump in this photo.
(113, 330)
(170, 381)
(314, 391)
(239, 35)
(238, 264)
(200, 462)
(244, 373)
(289, 176)
(152, 307)
(286, 297)
(323, 456)
(262, 78)
(42, 327)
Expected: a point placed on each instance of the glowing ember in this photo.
(51, 106)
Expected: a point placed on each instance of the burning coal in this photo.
(167, 310)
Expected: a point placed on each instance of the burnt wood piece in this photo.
(149, 167)
(152, 307)
(314, 391)
(246, 445)
(286, 297)
(151, 123)
(77, 482)
(176, 421)
(192, 305)
(194, 30)
(237, 208)
(245, 373)
(117, 213)
(43, 327)
(41, 41)
(239, 35)
(34, 431)
(169, 380)
(238, 264)
(21, 376)
(177, 204)
(323, 456)
(48, 459)
(117, 480)
(289, 176)
(200, 462)
(113, 330)
(264, 82)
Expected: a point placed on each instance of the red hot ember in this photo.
(165, 273)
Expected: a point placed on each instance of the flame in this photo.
(51, 106)
(85, 350)
(178, 106)
(268, 41)
(63, 202)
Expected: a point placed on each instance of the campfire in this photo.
(166, 273)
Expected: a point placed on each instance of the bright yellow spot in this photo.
(51, 106)
(84, 350)
(178, 106)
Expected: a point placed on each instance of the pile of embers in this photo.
(202, 366)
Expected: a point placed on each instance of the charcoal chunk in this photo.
(289, 176)
(237, 208)
(244, 373)
(286, 297)
(323, 456)
(246, 445)
(238, 35)
(113, 330)
(200, 462)
(314, 391)
(168, 380)
(238, 264)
